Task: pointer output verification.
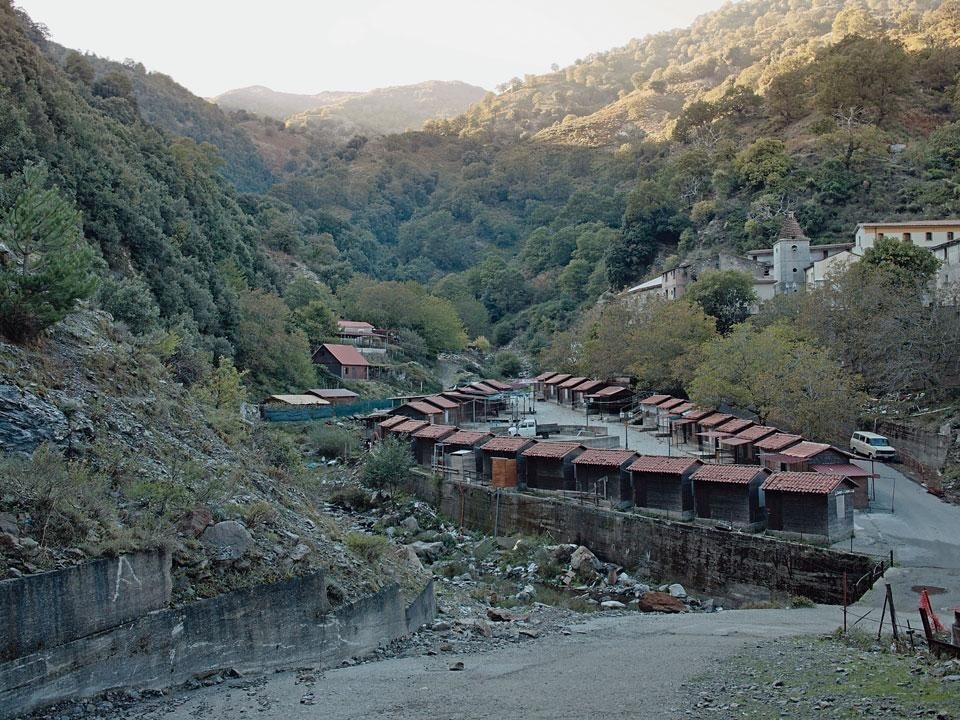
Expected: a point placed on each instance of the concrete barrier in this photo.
(251, 630)
(708, 559)
(54, 608)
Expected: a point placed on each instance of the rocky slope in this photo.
(108, 453)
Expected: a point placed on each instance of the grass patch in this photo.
(368, 548)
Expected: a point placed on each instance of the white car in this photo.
(872, 445)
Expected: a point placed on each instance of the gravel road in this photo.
(622, 665)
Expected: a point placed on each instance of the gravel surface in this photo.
(623, 664)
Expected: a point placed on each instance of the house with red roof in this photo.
(810, 506)
(501, 459)
(579, 393)
(343, 361)
(741, 445)
(426, 439)
(602, 472)
(609, 400)
(663, 485)
(549, 465)
(565, 390)
(420, 410)
(466, 441)
(730, 494)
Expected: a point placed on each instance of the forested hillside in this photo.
(516, 215)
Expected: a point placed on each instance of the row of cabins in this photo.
(814, 505)
(596, 395)
(472, 403)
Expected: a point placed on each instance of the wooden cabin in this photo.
(580, 392)
(342, 361)
(549, 465)
(861, 493)
(426, 439)
(551, 386)
(610, 400)
(565, 390)
(809, 506)
(684, 428)
(469, 440)
(603, 472)
(509, 450)
(335, 396)
(730, 494)
(420, 410)
(539, 384)
(741, 445)
(450, 408)
(663, 484)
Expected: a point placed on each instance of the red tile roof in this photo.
(777, 441)
(604, 457)
(806, 449)
(441, 402)
(408, 427)
(607, 391)
(729, 474)
(589, 385)
(572, 382)
(661, 464)
(554, 450)
(655, 399)
(423, 407)
(557, 379)
(497, 385)
(671, 404)
(845, 469)
(757, 432)
(711, 421)
(698, 414)
(466, 437)
(506, 444)
(543, 376)
(735, 425)
(358, 324)
(734, 441)
(393, 421)
(434, 432)
(682, 408)
(804, 482)
(486, 389)
(345, 354)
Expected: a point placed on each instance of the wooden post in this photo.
(928, 633)
(883, 614)
(844, 603)
(893, 612)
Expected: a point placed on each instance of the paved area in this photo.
(627, 665)
(924, 534)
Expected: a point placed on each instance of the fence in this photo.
(301, 414)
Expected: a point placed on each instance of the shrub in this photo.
(388, 464)
(369, 548)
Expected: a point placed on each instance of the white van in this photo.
(871, 445)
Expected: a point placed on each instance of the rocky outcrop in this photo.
(27, 421)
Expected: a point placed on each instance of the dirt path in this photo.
(625, 665)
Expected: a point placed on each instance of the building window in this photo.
(929, 236)
(879, 236)
(950, 236)
(794, 269)
(907, 238)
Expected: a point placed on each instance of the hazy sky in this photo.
(307, 46)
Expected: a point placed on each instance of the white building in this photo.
(922, 233)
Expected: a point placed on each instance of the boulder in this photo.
(26, 421)
(677, 590)
(584, 563)
(427, 551)
(8, 524)
(299, 552)
(660, 602)
(410, 524)
(527, 595)
(227, 540)
(612, 605)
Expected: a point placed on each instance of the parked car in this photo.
(872, 445)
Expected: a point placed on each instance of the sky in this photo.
(307, 46)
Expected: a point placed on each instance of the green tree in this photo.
(869, 75)
(782, 378)
(52, 264)
(726, 295)
(911, 264)
(130, 301)
(388, 464)
(316, 321)
(764, 163)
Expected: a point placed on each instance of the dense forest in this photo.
(243, 236)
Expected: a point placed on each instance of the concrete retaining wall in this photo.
(252, 630)
(708, 559)
(923, 450)
(56, 607)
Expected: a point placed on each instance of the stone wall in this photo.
(251, 630)
(54, 608)
(923, 450)
(708, 559)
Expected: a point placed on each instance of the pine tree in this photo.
(50, 265)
